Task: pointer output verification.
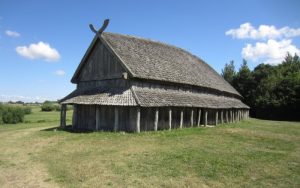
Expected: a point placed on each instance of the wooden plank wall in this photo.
(100, 64)
(86, 118)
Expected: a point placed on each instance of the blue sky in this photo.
(42, 42)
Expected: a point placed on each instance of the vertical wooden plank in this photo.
(170, 118)
(97, 117)
(116, 121)
(138, 119)
(192, 117)
(226, 115)
(205, 117)
(231, 116)
(63, 116)
(156, 119)
(181, 119)
(199, 118)
(74, 119)
(221, 117)
(216, 121)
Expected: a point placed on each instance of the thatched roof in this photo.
(154, 97)
(148, 59)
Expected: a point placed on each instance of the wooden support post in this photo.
(231, 116)
(74, 119)
(97, 117)
(222, 117)
(199, 118)
(216, 121)
(63, 115)
(205, 117)
(226, 116)
(116, 124)
(243, 113)
(170, 118)
(138, 119)
(156, 119)
(181, 119)
(192, 118)
(234, 115)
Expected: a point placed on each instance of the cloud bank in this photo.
(247, 31)
(12, 33)
(14, 98)
(272, 44)
(39, 50)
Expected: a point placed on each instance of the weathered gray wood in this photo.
(199, 118)
(116, 123)
(205, 117)
(192, 117)
(138, 119)
(226, 115)
(222, 121)
(216, 121)
(181, 119)
(63, 116)
(99, 64)
(170, 118)
(231, 116)
(156, 119)
(74, 119)
(98, 116)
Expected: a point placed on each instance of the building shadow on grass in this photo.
(68, 128)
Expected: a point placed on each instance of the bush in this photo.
(50, 106)
(47, 107)
(12, 114)
(57, 107)
(27, 110)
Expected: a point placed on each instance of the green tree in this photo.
(244, 83)
(228, 73)
(272, 91)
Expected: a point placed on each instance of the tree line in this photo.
(271, 91)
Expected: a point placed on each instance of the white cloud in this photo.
(14, 98)
(271, 52)
(247, 31)
(60, 72)
(12, 33)
(39, 50)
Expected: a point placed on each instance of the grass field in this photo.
(251, 153)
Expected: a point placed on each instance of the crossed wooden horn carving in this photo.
(98, 33)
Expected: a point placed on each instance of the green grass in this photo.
(251, 153)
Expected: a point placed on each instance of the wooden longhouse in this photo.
(126, 83)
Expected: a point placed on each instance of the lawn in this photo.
(251, 153)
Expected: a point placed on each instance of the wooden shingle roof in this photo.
(153, 60)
